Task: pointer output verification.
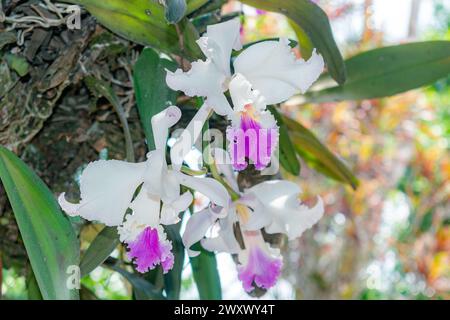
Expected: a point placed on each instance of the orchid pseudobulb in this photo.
(265, 73)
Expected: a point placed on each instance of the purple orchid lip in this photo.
(261, 270)
(251, 141)
(148, 251)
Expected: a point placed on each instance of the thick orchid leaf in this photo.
(202, 7)
(152, 93)
(317, 155)
(305, 44)
(390, 70)
(143, 290)
(288, 156)
(49, 238)
(314, 21)
(99, 250)
(175, 10)
(87, 294)
(32, 287)
(144, 22)
(206, 275)
(172, 280)
(194, 5)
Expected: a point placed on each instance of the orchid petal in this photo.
(225, 241)
(146, 208)
(209, 187)
(269, 191)
(282, 75)
(259, 218)
(170, 187)
(219, 41)
(190, 135)
(170, 211)
(196, 228)
(204, 79)
(289, 216)
(106, 191)
(207, 78)
(156, 171)
(294, 218)
(151, 248)
(242, 94)
(161, 123)
(258, 265)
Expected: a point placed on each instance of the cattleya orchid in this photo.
(271, 206)
(264, 73)
(150, 190)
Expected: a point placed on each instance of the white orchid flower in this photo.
(271, 205)
(264, 73)
(108, 189)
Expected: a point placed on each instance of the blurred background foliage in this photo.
(389, 238)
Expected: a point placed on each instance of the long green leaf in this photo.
(387, 71)
(143, 290)
(193, 5)
(288, 156)
(99, 250)
(172, 280)
(152, 93)
(305, 44)
(314, 22)
(144, 22)
(49, 238)
(32, 287)
(314, 152)
(206, 275)
(175, 10)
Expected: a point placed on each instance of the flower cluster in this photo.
(140, 198)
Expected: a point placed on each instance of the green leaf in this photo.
(17, 63)
(143, 290)
(315, 153)
(152, 93)
(144, 22)
(197, 8)
(172, 279)
(305, 44)
(99, 250)
(49, 238)
(206, 275)
(314, 21)
(387, 71)
(87, 294)
(288, 155)
(175, 10)
(194, 5)
(32, 287)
